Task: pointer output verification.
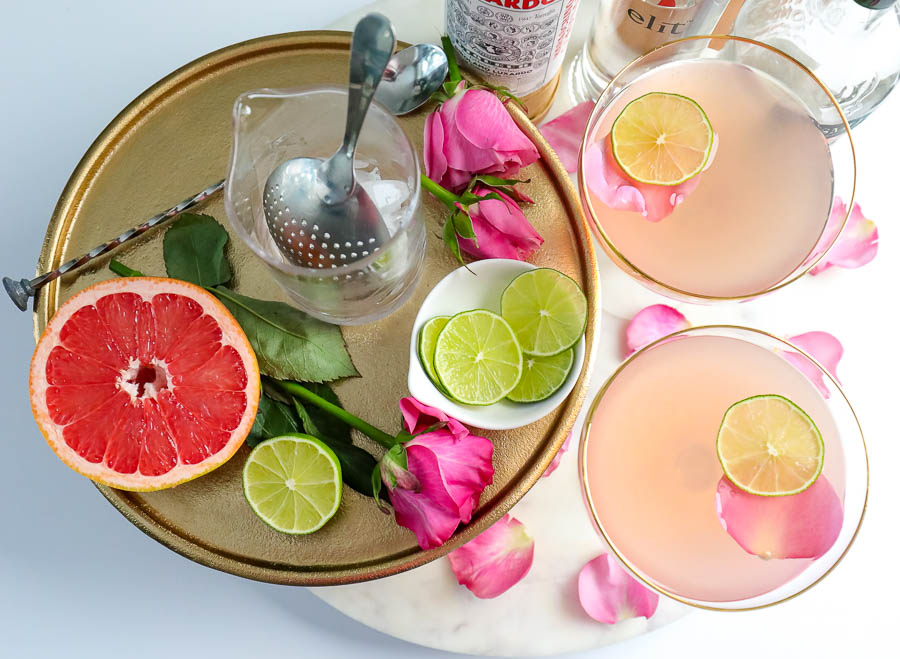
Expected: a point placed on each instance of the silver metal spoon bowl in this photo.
(315, 211)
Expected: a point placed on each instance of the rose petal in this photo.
(418, 417)
(558, 457)
(486, 123)
(430, 513)
(496, 560)
(857, 244)
(655, 202)
(608, 593)
(803, 525)
(611, 188)
(565, 133)
(825, 349)
(435, 161)
(465, 465)
(652, 323)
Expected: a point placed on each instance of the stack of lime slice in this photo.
(524, 354)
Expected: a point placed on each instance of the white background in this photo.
(77, 580)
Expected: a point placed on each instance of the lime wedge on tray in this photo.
(662, 139)
(547, 311)
(293, 483)
(477, 357)
(769, 446)
(542, 377)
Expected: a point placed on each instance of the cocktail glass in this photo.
(759, 217)
(650, 471)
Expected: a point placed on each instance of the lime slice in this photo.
(428, 335)
(477, 357)
(546, 310)
(662, 139)
(769, 446)
(542, 377)
(293, 483)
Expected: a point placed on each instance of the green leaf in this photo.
(309, 425)
(328, 424)
(273, 419)
(469, 198)
(356, 465)
(289, 345)
(397, 454)
(272, 390)
(452, 240)
(453, 74)
(376, 490)
(496, 181)
(194, 250)
(123, 270)
(463, 225)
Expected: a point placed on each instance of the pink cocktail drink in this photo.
(753, 219)
(651, 470)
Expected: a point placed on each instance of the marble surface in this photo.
(541, 614)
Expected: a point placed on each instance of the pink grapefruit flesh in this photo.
(143, 383)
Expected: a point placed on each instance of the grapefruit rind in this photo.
(147, 287)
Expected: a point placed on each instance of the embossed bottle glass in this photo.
(517, 44)
(626, 29)
(853, 46)
(272, 126)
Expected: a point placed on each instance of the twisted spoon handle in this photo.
(20, 291)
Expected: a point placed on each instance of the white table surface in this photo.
(77, 580)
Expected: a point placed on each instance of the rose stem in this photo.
(298, 390)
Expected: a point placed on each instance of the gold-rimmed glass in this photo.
(816, 101)
(834, 413)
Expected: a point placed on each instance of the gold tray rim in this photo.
(51, 257)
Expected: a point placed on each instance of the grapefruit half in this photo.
(143, 383)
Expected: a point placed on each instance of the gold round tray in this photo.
(173, 140)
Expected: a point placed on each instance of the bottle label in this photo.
(518, 44)
(645, 25)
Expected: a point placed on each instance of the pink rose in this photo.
(472, 133)
(501, 229)
(447, 470)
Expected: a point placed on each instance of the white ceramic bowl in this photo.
(479, 287)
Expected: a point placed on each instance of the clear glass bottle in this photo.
(623, 30)
(853, 46)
